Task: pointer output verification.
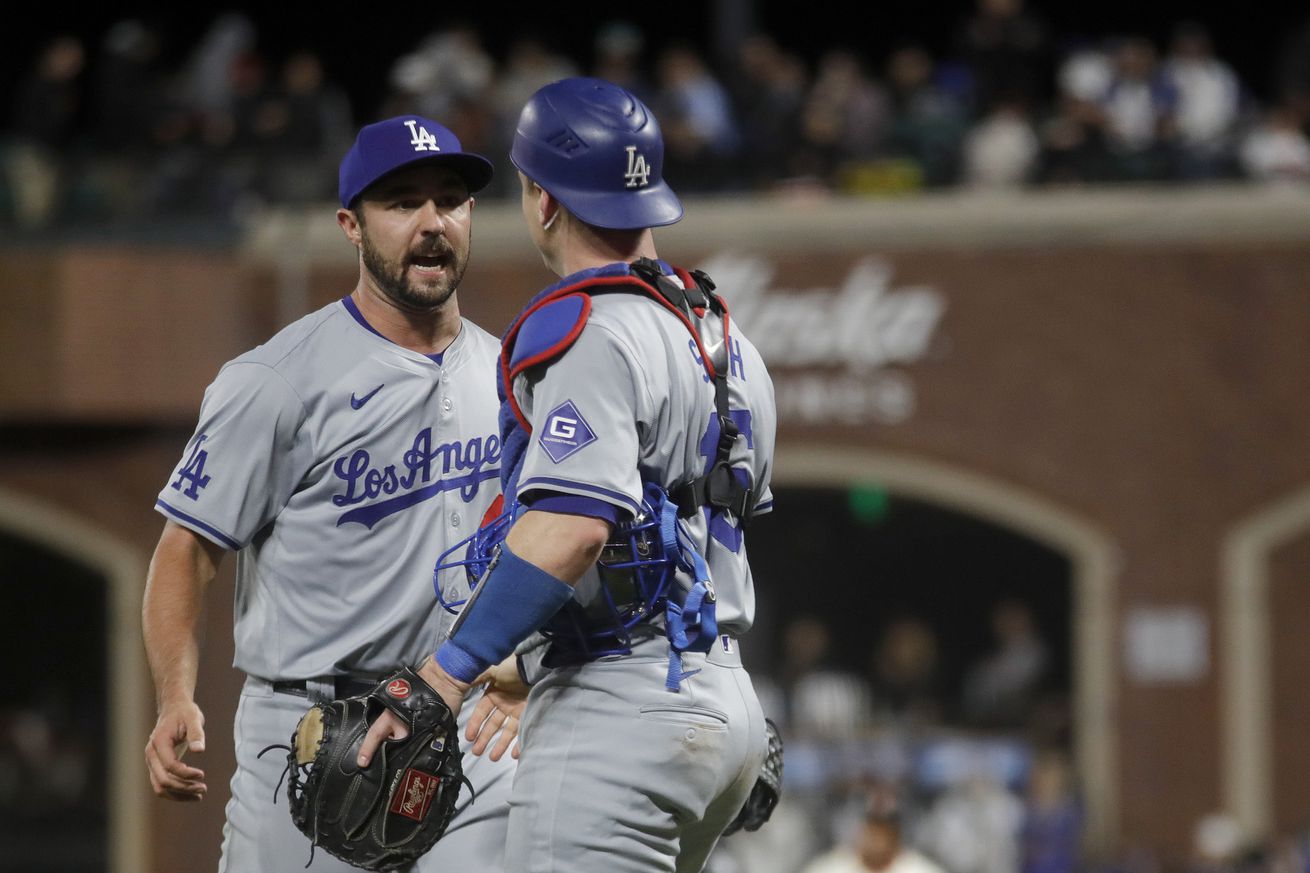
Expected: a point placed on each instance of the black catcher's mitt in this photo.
(388, 814)
(768, 787)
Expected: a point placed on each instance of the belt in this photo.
(647, 640)
(344, 685)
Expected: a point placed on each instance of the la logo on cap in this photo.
(420, 138)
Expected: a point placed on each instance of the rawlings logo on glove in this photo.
(385, 815)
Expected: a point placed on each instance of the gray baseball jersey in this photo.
(339, 463)
(649, 778)
(630, 402)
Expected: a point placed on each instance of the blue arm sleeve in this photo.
(514, 599)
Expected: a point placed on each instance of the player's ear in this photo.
(548, 208)
(348, 221)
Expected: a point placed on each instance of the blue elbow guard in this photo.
(513, 600)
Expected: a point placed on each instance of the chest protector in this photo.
(639, 564)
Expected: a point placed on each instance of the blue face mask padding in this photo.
(515, 599)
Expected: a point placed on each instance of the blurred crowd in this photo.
(906, 764)
(966, 764)
(111, 129)
(920, 763)
(53, 804)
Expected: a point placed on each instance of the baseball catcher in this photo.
(385, 815)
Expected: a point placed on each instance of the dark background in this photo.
(859, 565)
(357, 44)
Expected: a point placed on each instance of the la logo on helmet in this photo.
(638, 175)
(420, 138)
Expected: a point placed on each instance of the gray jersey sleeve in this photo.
(242, 464)
(586, 409)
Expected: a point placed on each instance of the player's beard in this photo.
(391, 275)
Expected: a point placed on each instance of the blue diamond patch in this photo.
(565, 432)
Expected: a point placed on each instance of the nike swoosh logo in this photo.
(358, 402)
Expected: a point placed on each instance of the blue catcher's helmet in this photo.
(598, 150)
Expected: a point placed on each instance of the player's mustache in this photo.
(439, 249)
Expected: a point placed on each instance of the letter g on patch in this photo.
(566, 432)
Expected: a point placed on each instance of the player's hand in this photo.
(499, 712)
(179, 729)
(388, 726)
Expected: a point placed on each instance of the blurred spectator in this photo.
(1217, 844)
(1294, 73)
(1001, 150)
(1073, 140)
(318, 116)
(1140, 107)
(209, 81)
(528, 66)
(928, 122)
(487, 127)
(822, 702)
(700, 133)
(768, 88)
(306, 123)
(48, 759)
(236, 138)
(256, 116)
(879, 845)
(846, 116)
(1278, 150)
(129, 109)
(49, 100)
(1052, 826)
(618, 47)
(1209, 100)
(47, 115)
(907, 672)
(448, 67)
(1007, 50)
(1001, 689)
(1086, 73)
(973, 827)
(784, 845)
(177, 173)
(127, 87)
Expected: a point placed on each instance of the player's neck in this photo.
(427, 332)
(586, 247)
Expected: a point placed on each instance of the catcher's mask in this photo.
(631, 585)
(478, 549)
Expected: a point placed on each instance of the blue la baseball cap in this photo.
(386, 146)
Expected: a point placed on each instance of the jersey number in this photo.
(194, 471)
